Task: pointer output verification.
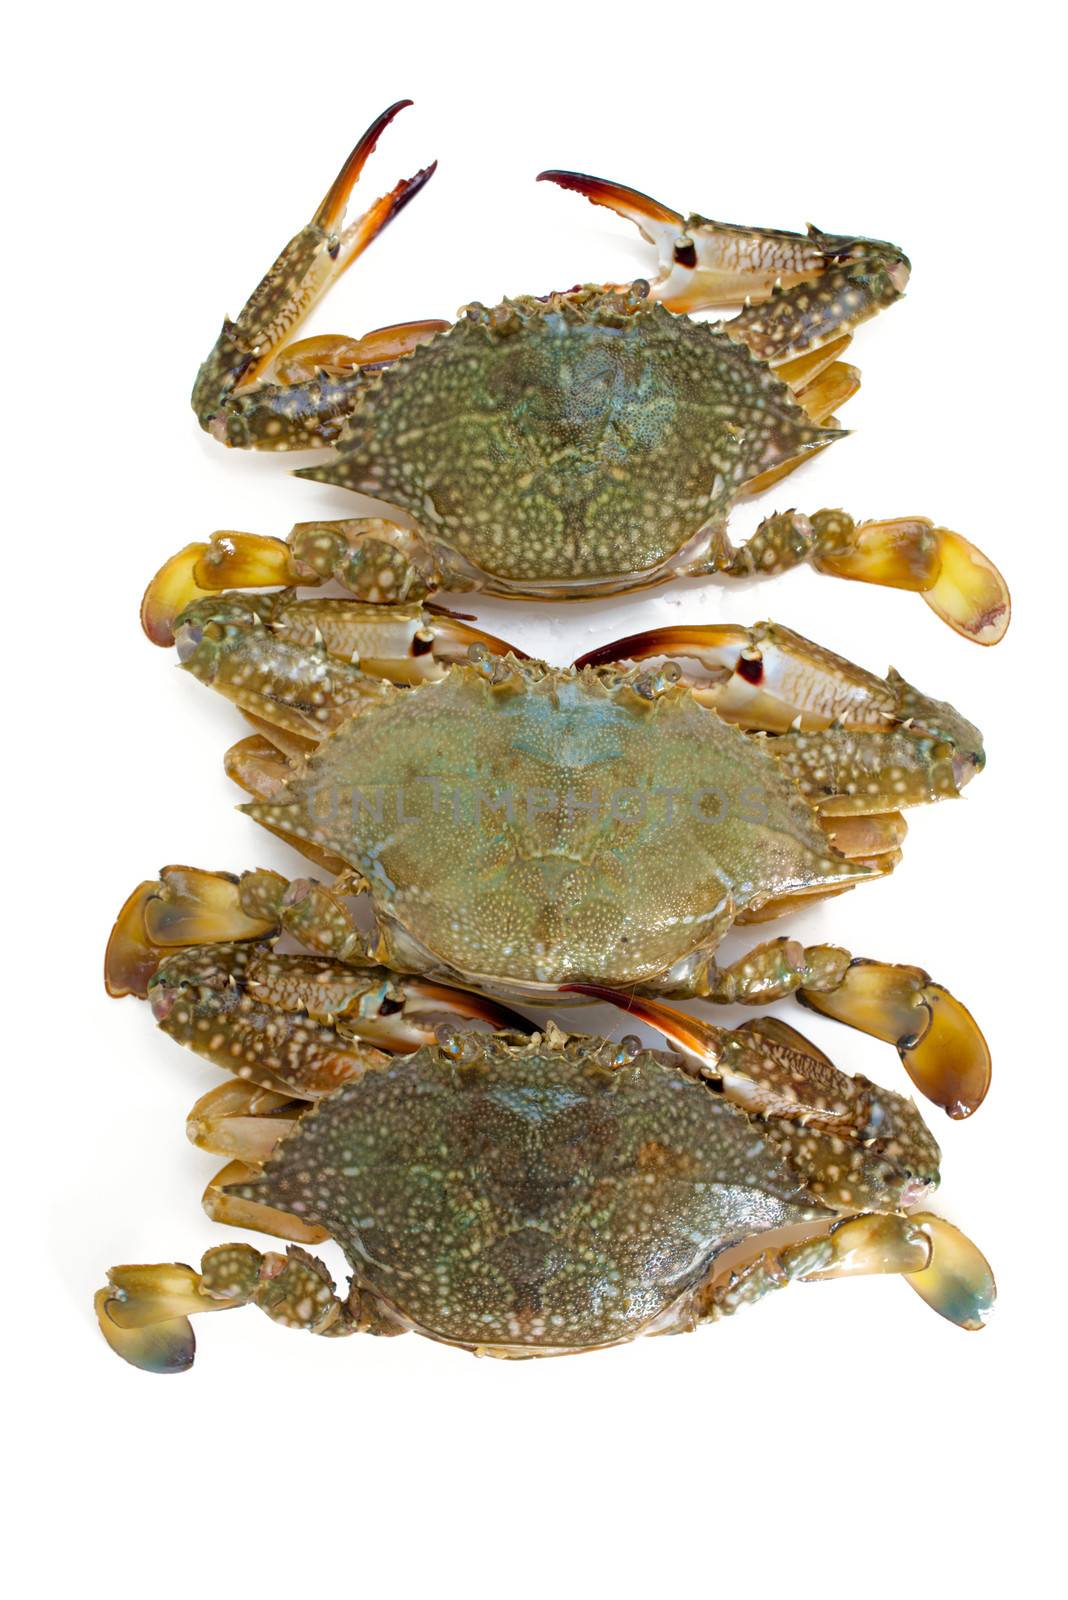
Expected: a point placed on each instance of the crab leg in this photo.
(211, 594)
(939, 1042)
(334, 355)
(187, 906)
(855, 744)
(764, 678)
(800, 290)
(233, 396)
(954, 577)
(197, 945)
(306, 665)
(244, 1121)
(375, 560)
(944, 1267)
(144, 1311)
(230, 1210)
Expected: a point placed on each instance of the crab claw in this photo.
(314, 258)
(427, 1004)
(938, 1040)
(353, 241)
(765, 677)
(957, 1282)
(697, 1038)
(704, 263)
(646, 213)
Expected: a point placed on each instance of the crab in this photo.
(529, 833)
(579, 444)
(542, 1195)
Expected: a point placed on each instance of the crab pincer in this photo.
(235, 397)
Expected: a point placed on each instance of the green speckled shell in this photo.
(555, 827)
(585, 437)
(531, 1196)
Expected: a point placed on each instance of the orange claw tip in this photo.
(969, 593)
(696, 640)
(456, 630)
(630, 203)
(466, 1003)
(633, 647)
(690, 1034)
(172, 589)
(131, 959)
(957, 1282)
(336, 198)
(398, 197)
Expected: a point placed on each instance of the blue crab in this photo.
(518, 830)
(499, 832)
(577, 444)
(529, 1196)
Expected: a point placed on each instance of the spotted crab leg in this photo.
(855, 744)
(375, 560)
(959, 583)
(799, 290)
(144, 1311)
(942, 1264)
(815, 1115)
(940, 1044)
(304, 665)
(199, 945)
(237, 396)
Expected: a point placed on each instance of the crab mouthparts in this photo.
(966, 766)
(915, 1192)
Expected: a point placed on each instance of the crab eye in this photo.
(186, 641)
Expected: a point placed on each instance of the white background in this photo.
(839, 1438)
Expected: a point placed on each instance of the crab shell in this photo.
(523, 827)
(559, 1194)
(561, 442)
